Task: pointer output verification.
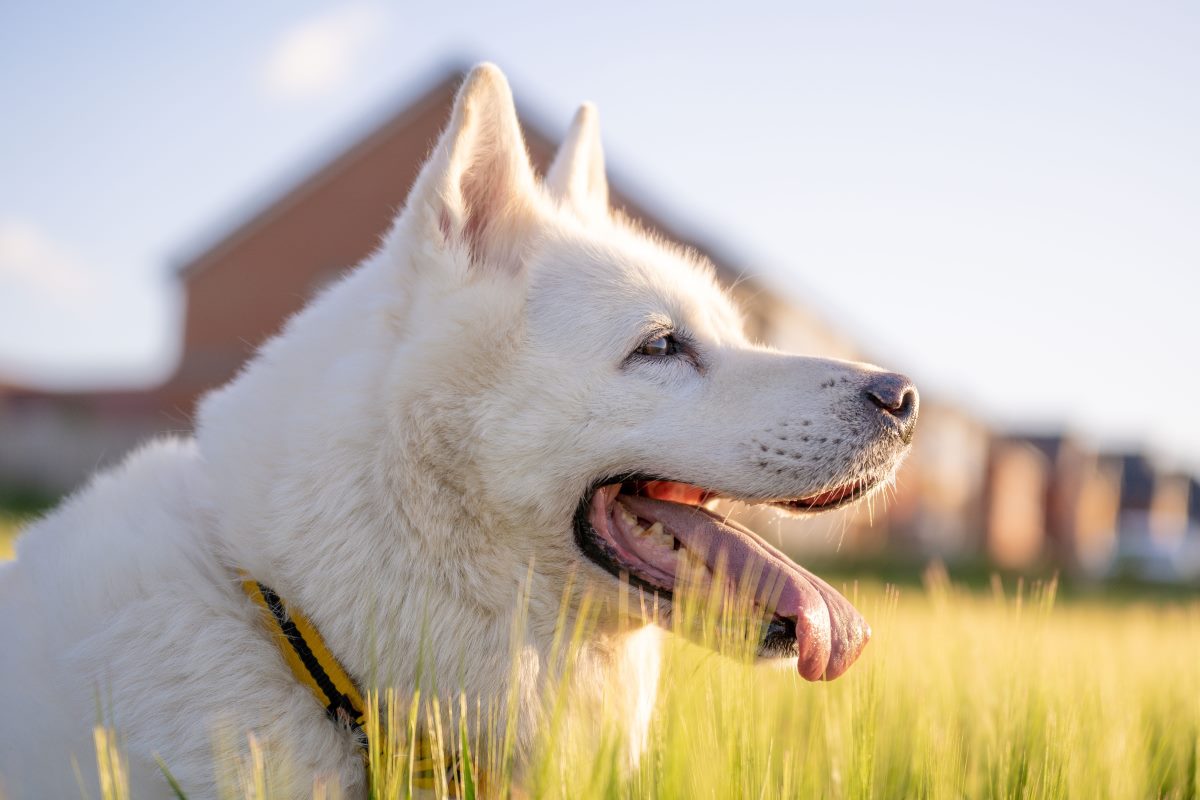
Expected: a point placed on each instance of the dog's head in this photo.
(596, 391)
(520, 377)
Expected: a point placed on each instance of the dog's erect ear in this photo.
(478, 189)
(576, 177)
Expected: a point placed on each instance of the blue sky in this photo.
(1002, 200)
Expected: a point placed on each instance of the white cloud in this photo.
(318, 54)
(31, 260)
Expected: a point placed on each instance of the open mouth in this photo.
(640, 530)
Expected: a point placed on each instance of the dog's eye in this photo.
(664, 345)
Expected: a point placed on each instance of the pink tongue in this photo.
(830, 633)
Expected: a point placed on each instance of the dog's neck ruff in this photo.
(317, 668)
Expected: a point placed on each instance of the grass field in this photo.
(958, 695)
(981, 694)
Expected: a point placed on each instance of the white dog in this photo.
(517, 392)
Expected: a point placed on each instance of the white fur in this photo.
(402, 462)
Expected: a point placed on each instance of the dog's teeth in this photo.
(660, 537)
(626, 516)
(638, 530)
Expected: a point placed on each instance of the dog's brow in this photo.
(650, 327)
(656, 325)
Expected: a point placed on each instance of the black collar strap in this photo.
(311, 661)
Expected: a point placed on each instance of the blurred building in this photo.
(1159, 531)
(939, 504)
(1194, 507)
(50, 442)
(1019, 477)
(1051, 500)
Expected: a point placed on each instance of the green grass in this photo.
(17, 506)
(8, 536)
(999, 694)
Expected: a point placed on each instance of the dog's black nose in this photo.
(896, 396)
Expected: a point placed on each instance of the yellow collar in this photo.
(315, 666)
(310, 660)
